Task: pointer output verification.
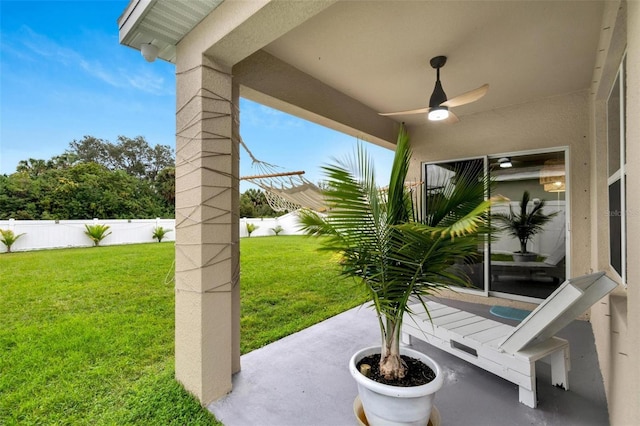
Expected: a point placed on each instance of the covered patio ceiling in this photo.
(378, 52)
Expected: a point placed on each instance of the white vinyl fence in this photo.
(265, 226)
(48, 234)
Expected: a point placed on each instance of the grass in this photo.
(87, 334)
(287, 285)
(509, 257)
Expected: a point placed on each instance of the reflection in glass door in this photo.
(528, 253)
(437, 177)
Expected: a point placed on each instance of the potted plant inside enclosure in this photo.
(399, 253)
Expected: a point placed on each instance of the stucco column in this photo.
(207, 306)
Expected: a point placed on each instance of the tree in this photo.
(89, 150)
(165, 186)
(32, 167)
(62, 161)
(398, 251)
(93, 178)
(253, 203)
(18, 196)
(134, 156)
(81, 191)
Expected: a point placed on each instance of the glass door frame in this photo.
(486, 292)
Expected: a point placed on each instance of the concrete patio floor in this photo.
(303, 380)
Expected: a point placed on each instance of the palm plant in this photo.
(159, 233)
(97, 233)
(251, 227)
(523, 224)
(396, 249)
(8, 238)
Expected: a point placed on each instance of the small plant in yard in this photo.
(97, 233)
(278, 229)
(251, 227)
(159, 233)
(8, 238)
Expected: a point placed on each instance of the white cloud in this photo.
(141, 78)
(147, 81)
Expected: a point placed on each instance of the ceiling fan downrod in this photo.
(438, 96)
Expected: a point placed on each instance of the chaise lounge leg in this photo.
(559, 361)
(528, 397)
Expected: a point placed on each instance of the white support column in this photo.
(207, 252)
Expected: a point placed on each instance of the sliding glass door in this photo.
(435, 175)
(528, 252)
(525, 258)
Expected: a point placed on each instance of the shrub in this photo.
(278, 229)
(8, 238)
(251, 227)
(97, 233)
(159, 232)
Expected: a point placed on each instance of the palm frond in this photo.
(389, 242)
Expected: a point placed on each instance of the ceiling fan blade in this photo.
(411, 111)
(468, 97)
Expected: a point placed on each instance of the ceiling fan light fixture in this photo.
(438, 113)
(505, 162)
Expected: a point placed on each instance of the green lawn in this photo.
(87, 334)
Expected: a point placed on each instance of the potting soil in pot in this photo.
(417, 372)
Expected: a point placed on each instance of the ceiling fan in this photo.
(439, 105)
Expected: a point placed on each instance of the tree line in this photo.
(95, 178)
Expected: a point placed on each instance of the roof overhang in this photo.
(162, 23)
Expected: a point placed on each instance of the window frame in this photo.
(618, 176)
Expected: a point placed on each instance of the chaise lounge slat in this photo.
(506, 351)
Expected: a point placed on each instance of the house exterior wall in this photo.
(578, 120)
(632, 398)
(561, 121)
(616, 319)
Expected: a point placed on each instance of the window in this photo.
(616, 149)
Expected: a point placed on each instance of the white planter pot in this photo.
(386, 405)
(526, 257)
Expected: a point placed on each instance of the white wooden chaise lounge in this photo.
(506, 351)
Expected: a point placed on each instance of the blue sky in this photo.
(63, 75)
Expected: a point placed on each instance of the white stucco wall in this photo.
(616, 319)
